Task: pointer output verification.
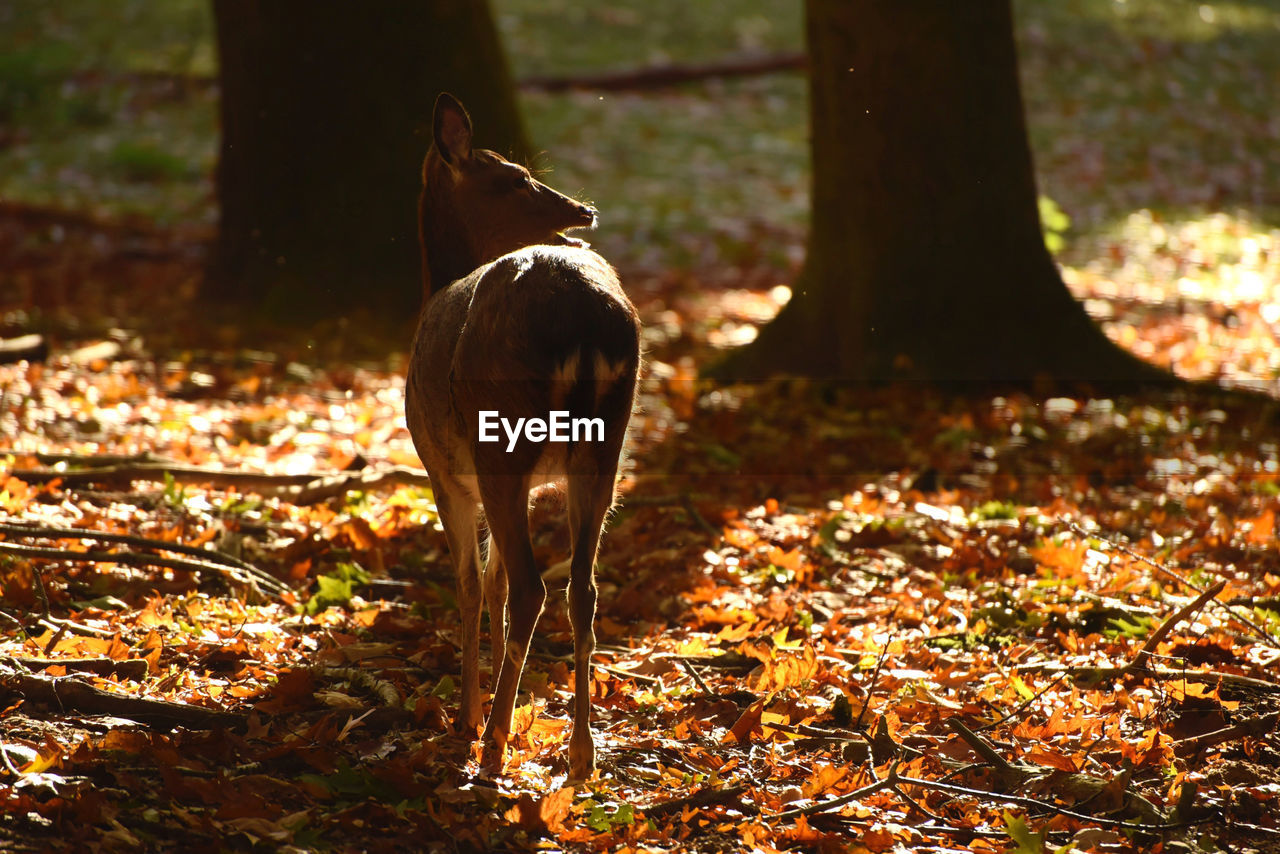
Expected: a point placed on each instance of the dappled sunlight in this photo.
(1200, 296)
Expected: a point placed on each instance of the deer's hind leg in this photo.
(495, 596)
(506, 503)
(590, 497)
(460, 516)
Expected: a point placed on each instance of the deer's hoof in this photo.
(469, 723)
(582, 762)
(493, 755)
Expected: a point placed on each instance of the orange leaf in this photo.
(1050, 759)
(546, 813)
(747, 724)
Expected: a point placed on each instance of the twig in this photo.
(60, 627)
(1097, 674)
(847, 798)
(625, 674)
(1033, 803)
(39, 532)
(696, 677)
(331, 486)
(1022, 707)
(155, 472)
(1262, 633)
(984, 749)
(701, 798)
(135, 559)
(875, 675)
(686, 501)
(1144, 655)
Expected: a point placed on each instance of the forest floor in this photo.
(886, 619)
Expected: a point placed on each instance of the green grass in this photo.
(1154, 105)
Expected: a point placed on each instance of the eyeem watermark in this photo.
(556, 427)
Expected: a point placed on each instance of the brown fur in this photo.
(515, 319)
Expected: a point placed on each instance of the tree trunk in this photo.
(326, 116)
(925, 257)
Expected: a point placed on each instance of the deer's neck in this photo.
(447, 254)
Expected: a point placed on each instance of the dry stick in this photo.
(134, 559)
(701, 798)
(697, 678)
(1022, 707)
(130, 668)
(1262, 633)
(60, 627)
(983, 748)
(875, 675)
(1144, 655)
(38, 532)
(297, 489)
(1097, 674)
(1034, 803)
(156, 472)
(686, 501)
(1255, 727)
(892, 780)
(71, 694)
(847, 798)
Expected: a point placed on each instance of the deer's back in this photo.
(513, 336)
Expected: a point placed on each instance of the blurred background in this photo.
(1156, 141)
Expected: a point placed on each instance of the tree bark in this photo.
(326, 111)
(925, 257)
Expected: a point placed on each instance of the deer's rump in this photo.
(543, 331)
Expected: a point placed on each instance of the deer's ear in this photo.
(451, 128)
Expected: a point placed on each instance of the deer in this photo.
(520, 320)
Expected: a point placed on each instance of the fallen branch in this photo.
(324, 488)
(1010, 774)
(1140, 660)
(131, 668)
(875, 674)
(127, 473)
(845, 799)
(1035, 803)
(1082, 788)
(68, 694)
(301, 489)
(696, 677)
(1262, 633)
(1163, 674)
(1254, 727)
(136, 559)
(39, 532)
(657, 76)
(701, 798)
